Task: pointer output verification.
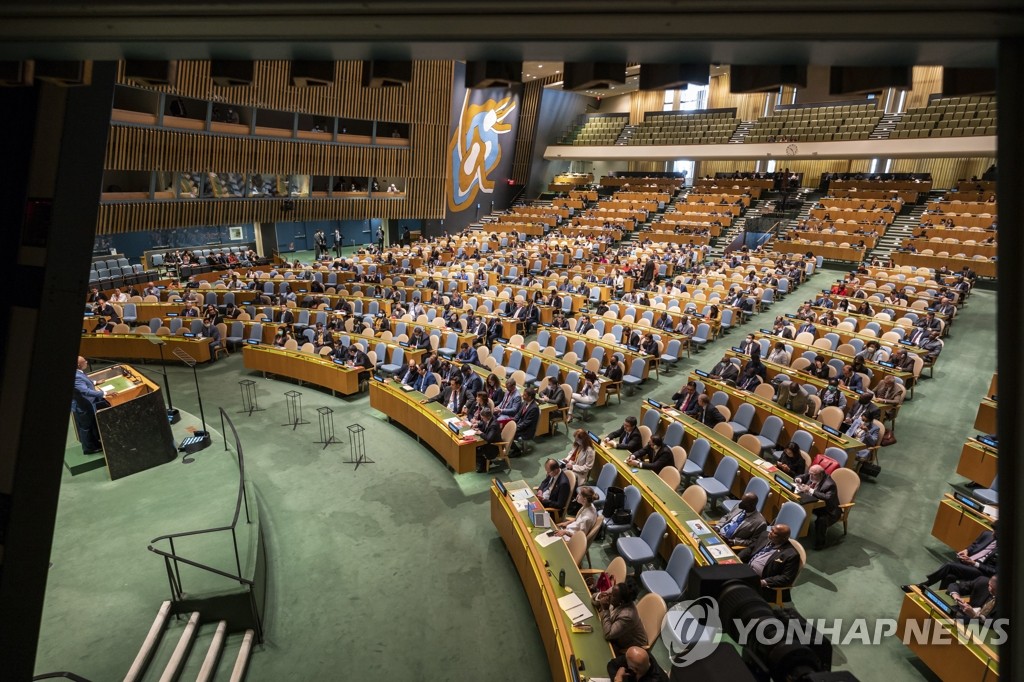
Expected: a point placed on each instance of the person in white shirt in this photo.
(779, 355)
(585, 518)
(119, 297)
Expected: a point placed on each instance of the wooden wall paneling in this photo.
(813, 168)
(643, 101)
(749, 107)
(526, 134)
(927, 80)
(710, 167)
(946, 171)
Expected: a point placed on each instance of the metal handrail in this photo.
(58, 675)
(240, 501)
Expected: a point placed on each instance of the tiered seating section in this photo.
(949, 117)
(954, 233)
(817, 124)
(673, 128)
(598, 130)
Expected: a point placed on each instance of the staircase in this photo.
(742, 130)
(885, 127)
(902, 228)
(626, 135)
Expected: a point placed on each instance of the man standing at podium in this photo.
(86, 399)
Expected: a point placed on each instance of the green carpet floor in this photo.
(395, 570)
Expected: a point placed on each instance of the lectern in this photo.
(135, 431)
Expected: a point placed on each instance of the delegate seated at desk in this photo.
(706, 413)
(554, 491)
(490, 432)
(580, 459)
(980, 559)
(816, 482)
(626, 437)
(773, 558)
(654, 456)
(743, 526)
(636, 665)
(981, 598)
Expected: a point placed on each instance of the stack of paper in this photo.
(544, 539)
(575, 608)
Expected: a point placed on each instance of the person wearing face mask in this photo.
(819, 368)
(748, 344)
(585, 518)
(580, 459)
(832, 396)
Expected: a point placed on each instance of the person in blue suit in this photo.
(85, 400)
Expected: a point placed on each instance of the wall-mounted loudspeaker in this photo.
(230, 73)
(765, 78)
(64, 73)
(493, 74)
(672, 76)
(593, 76)
(310, 74)
(860, 80)
(386, 74)
(151, 72)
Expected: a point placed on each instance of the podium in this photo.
(135, 431)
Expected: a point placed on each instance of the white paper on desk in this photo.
(407, 389)
(720, 551)
(574, 608)
(521, 505)
(522, 494)
(544, 539)
(698, 527)
(991, 511)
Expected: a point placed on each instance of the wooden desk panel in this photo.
(302, 367)
(543, 591)
(978, 462)
(137, 347)
(920, 260)
(961, 659)
(985, 421)
(837, 253)
(426, 422)
(956, 525)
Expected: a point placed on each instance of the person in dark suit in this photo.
(584, 325)
(552, 393)
(774, 559)
(626, 437)
(490, 432)
(687, 396)
(528, 415)
(726, 370)
(636, 665)
(748, 344)
(863, 408)
(493, 330)
(655, 456)
(819, 484)
(85, 400)
(647, 276)
(744, 525)
(981, 598)
(705, 412)
(451, 396)
(554, 489)
(471, 381)
(980, 559)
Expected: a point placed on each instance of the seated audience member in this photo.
(655, 455)
(686, 398)
(507, 408)
(866, 432)
(726, 370)
(490, 432)
(585, 518)
(553, 492)
(636, 665)
(527, 417)
(620, 620)
(705, 412)
(744, 524)
(792, 397)
(831, 396)
(779, 355)
(749, 379)
(816, 482)
(580, 459)
(980, 604)
(626, 437)
(791, 461)
(980, 559)
(552, 393)
(773, 558)
(466, 353)
(451, 396)
(851, 379)
(586, 394)
(864, 409)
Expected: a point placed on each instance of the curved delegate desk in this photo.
(139, 347)
(304, 367)
(963, 654)
(539, 568)
(428, 421)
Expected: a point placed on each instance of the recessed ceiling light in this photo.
(540, 66)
